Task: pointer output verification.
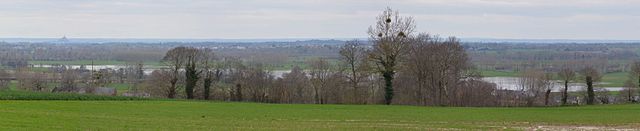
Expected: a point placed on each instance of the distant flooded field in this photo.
(511, 83)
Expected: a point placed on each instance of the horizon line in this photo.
(312, 38)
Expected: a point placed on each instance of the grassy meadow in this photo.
(202, 115)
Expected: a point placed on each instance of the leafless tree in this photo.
(174, 59)
(296, 87)
(258, 81)
(357, 68)
(23, 76)
(320, 75)
(433, 66)
(548, 85)
(31, 80)
(629, 90)
(159, 84)
(211, 71)
(237, 77)
(634, 78)
(474, 92)
(5, 79)
(40, 81)
(390, 38)
(68, 81)
(567, 75)
(532, 84)
(135, 75)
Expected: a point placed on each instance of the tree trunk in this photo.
(316, 95)
(590, 93)
(388, 86)
(440, 93)
(356, 95)
(238, 93)
(207, 87)
(354, 83)
(192, 77)
(630, 98)
(172, 89)
(546, 97)
(565, 93)
(190, 84)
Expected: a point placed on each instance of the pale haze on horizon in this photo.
(234, 19)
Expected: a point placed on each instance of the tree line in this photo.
(400, 67)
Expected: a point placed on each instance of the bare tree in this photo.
(174, 59)
(237, 74)
(532, 84)
(434, 66)
(258, 81)
(389, 36)
(296, 85)
(548, 85)
(23, 76)
(357, 67)
(40, 81)
(629, 91)
(567, 75)
(135, 75)
(320, 75)
(5, 79)
(634, 77)
(474, 92)
(211, 70)
(67, 81)
(31, 80)
(159, 84)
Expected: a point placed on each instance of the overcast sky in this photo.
(236, 19)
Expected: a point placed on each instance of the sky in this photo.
(264, 19)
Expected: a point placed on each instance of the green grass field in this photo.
(615, 79)
(120, 87)
(202, 115)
